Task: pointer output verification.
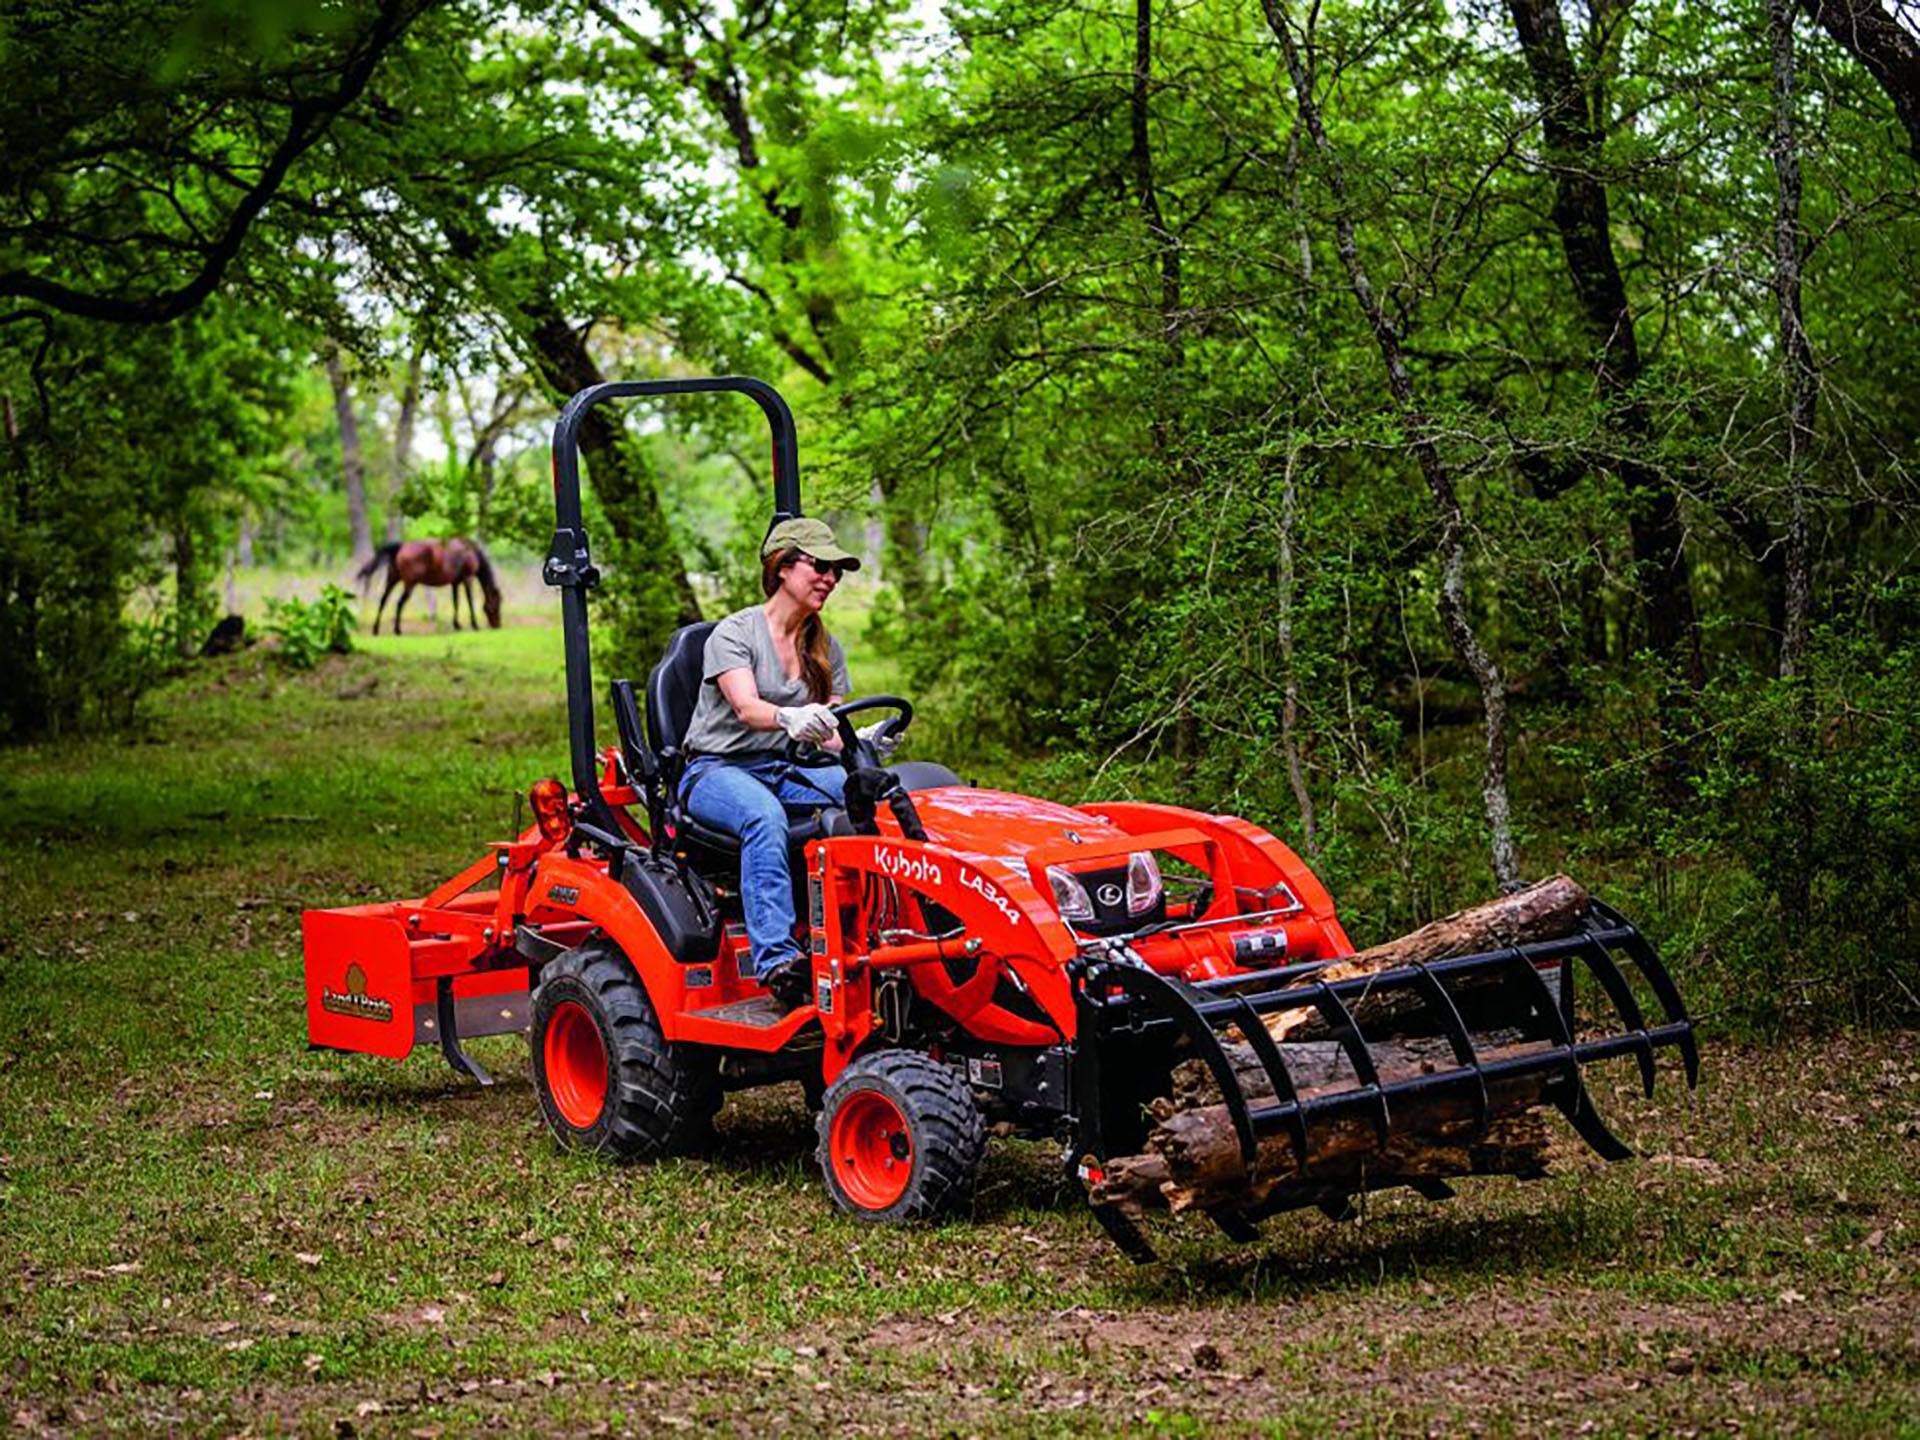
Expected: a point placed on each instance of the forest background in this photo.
(1473, 439)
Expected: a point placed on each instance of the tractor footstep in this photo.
(763, 1012)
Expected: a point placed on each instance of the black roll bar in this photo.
(569, 566)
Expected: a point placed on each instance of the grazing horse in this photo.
(457, 562)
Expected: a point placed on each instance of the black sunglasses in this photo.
(834, 568)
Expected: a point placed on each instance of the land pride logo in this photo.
(355, 1001)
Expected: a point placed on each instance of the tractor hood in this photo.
(1004, 826)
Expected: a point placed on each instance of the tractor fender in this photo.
(571, 889)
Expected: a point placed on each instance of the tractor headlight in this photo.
(1069, 894)
(1143, 882)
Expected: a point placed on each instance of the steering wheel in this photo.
(852, 749)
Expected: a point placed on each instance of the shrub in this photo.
(308, 631)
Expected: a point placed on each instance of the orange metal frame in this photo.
(373, 972)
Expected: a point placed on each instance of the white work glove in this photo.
(808, 724)
(883, 745)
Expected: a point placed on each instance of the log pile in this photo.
(1193, 1158)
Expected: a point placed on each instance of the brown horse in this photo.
(457, 562)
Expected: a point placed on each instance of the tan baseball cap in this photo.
(813, 536)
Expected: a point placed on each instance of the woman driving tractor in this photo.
(768, 677)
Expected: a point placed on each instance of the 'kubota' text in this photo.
(916, 869)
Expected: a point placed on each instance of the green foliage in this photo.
(306, 631)
(1076, 339)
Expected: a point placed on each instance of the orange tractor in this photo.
(977, 956)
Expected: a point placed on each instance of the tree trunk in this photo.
(1166, 242)
(1803, 383)
(352, 467)
(1289, 675)
(1574, 141)
(1452, 545)
(653, 587)
(186, 592)
(1803, 379)
(403, 446)
(663, 594)
(25, 704)
(1888, 50)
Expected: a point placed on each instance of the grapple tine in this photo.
(1346, 1030)
(1441, 1003)
(1600, 961)
(1235, 1226)
(1664, 990)
(1261, 1039)
(1571, 1098)
(1124, 1233)
(1168, 996)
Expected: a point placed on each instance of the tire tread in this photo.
(664, 1095)
(949, 1135)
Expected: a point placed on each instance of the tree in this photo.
(115, 173)
(1440, 482)
(1886, 48)
(1575, 136)
(353, 468)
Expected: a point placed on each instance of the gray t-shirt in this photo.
(743, 641)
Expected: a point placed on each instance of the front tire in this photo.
(608, 1080)
(900, 1138)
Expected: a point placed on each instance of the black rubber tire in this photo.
(942, 1119)
(660, 1097)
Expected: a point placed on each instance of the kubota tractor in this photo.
(978, 956)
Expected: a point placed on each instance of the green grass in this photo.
(204, 1227)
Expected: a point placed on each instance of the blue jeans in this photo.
(752, 801)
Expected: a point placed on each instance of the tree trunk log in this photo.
(1193, 1158)
(1544, 910)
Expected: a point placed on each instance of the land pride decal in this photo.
(354, 1002)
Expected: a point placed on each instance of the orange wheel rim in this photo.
(576, 1060)
(871, 1149)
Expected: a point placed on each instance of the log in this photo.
(1515, 1144)
(1544, 910)
(1317, 1065)
(1202, 1150)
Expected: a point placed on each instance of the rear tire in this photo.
(900, 1138)
(608, 1080)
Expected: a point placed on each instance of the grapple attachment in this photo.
(1498, 1028)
